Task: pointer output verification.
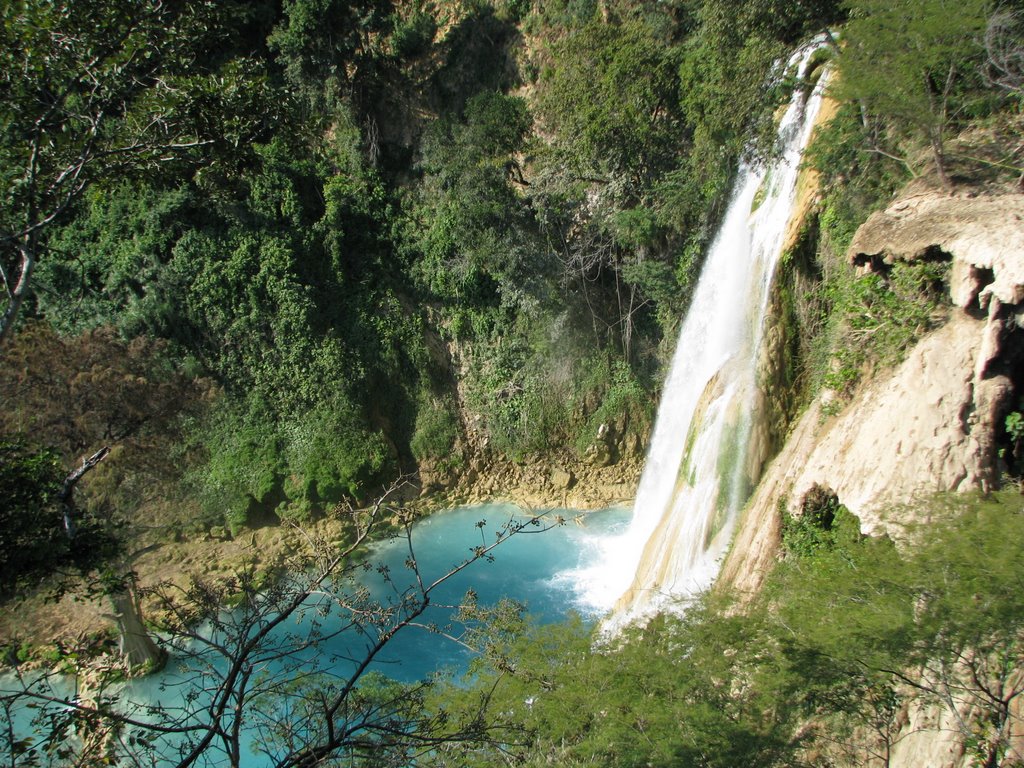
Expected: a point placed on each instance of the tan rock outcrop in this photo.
(983, 232)
(923, 429)
(928, 425)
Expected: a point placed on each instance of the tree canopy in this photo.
(916, 64)
(97, 90)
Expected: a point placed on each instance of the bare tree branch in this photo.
(1004, 46)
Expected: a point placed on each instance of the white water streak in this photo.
(685, 508)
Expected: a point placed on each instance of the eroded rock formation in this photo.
(930, 424)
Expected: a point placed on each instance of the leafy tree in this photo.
(290, 302)
(476, 238)
(109, 265)
(822, 525)
(936, 624)
(615, 133)
(437, 429)
(972, 626)
(669, 695)
(819, 668)
(279, 282)
(773, 19)
(95, 90)
(914, 64)
(331, 454)
(327, 46)
(875, 318)
(613, 102)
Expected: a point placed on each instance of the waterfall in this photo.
(698, 474)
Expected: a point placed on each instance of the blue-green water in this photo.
(536, 568)
(540, 569)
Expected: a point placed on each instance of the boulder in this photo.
(600, 454)
(562, 480)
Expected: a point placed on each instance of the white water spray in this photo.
(697, 477)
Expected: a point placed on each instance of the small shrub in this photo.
(236, 518)
(1013, 443)
(436, 430)
(413, 36)
(623, 399)
(822, 524)
(1015, 426)
(299, 511)
(873, 320)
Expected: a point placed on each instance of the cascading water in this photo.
(698, 471)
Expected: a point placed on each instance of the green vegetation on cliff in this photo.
(918, 98)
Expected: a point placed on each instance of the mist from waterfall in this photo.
(697, 473)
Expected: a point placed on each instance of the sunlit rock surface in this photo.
(928, 425)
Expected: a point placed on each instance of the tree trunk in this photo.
(68, 489)
(16, 295)
(938, 104)
(136, 646)
(939, 154)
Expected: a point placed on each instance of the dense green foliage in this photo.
(96, 91)
(872, 320)
(340, 191)
(823, 523)
(305, 261)
(849, 630)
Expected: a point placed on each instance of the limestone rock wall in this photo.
(929, 425)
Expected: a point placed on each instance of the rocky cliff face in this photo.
(929, 425)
